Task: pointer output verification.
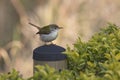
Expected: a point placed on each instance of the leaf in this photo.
(117, 56)
(108, 56)
(90, 64)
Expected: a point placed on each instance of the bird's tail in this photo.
(34, 25)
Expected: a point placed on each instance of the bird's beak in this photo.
(37, 33)
(60, 27)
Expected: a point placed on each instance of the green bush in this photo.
(97, 59)
(13, 75)
(99, 56)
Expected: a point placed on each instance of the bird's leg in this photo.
(45, 43)
(51, 42)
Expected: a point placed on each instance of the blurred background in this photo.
(78, 17)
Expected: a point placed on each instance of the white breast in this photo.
(49, 37)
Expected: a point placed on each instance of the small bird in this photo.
(48, 33)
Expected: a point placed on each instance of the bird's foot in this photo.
(51, 43)
(45, 43)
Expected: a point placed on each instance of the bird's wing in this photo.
(44, 30)
(35, 25)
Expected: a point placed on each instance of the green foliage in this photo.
(48, 73)
(99, 56)
(41, 73)
(97, 59)
(13, 75)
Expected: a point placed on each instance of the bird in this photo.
(47, 33)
